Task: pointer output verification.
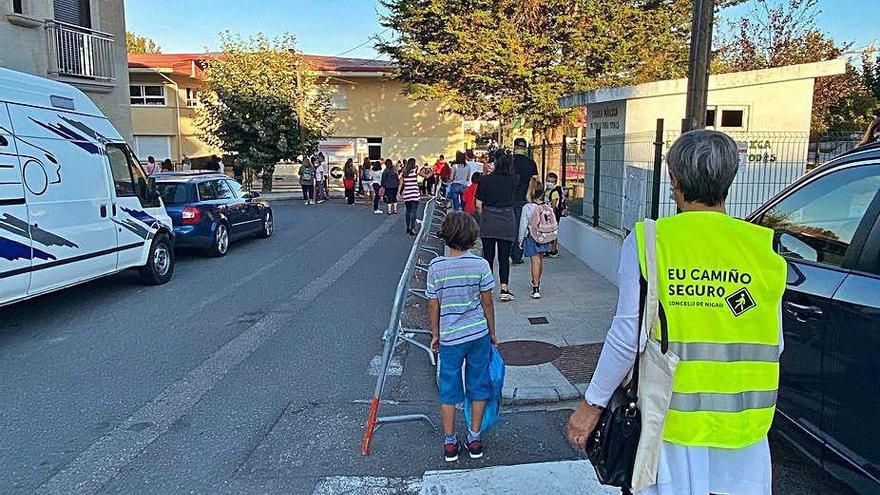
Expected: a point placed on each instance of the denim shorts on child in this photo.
(475, 355)
(531, 247)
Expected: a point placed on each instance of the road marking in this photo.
(105, 458)
(395, 367)
(367, 485)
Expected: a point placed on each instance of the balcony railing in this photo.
(80, 52)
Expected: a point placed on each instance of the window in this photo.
(732, 118)
(119, 169)
(374, 148)
(192, 97)
(76, 12)
(711, 117)
(129, 179)
(213, 190)
(174, 193)
(17, 7)
(159, 147)
(147, 95)
(237, 189)
(817, 222)
(339, 98)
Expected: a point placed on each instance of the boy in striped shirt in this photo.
(462, 318)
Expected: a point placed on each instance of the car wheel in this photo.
(268, 225)
(160, 262)
(221, 241)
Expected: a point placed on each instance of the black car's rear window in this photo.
(173, 192)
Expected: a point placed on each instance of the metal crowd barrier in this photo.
(431, 219)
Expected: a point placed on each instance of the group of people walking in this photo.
(711, 358)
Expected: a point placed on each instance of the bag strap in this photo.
(653, 309)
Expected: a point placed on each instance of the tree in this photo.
(496, 59)
(263, 103)
(785, 33)
(140, 45)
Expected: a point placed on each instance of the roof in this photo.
(193, 64)
(716, 82)
(28, 89)
(187, 176)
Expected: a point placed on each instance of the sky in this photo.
(334, 27)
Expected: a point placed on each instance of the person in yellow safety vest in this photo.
(720, 287)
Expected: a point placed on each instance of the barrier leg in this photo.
(370, 427)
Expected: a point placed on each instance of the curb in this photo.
(521, 396)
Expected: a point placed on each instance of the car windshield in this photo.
(173, 192)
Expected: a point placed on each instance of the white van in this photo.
(75, 204)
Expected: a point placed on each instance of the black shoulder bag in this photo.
(612, 446)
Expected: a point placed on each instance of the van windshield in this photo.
(173, 192)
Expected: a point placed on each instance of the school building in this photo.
(767, 112)
(372, 117)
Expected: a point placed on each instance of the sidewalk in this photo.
(546, 478)
(551, 345)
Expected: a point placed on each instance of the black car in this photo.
(210, 210)
(827, 228)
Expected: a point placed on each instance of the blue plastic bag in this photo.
(493, 406)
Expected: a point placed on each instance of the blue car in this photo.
(210, 210)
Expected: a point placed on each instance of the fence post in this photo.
(564, 159)
(543, 159)
(658, 166)
(596, 173)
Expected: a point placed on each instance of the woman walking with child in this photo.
(537, 229)
(409, 194)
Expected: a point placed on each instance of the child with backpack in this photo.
(538, 228)
(557, 196)
(462, 320)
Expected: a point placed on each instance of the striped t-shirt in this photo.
(411, 187)
(457, 283)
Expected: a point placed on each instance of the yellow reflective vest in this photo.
(720, 286)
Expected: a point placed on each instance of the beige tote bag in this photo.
(656, 373)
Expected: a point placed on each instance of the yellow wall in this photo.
(376, 108)
(162, 120)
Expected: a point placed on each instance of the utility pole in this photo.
(698, 75)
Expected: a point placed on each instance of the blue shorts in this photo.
(475, 355)
(532, 248)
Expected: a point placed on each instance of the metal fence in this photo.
(616, 180)
(432, 217)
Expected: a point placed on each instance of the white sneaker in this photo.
(536, 293)
(377, 212)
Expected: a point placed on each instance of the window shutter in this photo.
(74, 12)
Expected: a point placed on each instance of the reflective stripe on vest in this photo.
(720, 285)
(725, 353)
(723, 402)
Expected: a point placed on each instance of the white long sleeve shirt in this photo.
(527, 211)
(682, 470)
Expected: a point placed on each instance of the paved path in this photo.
(551, 344)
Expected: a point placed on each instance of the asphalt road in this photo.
(245, 374)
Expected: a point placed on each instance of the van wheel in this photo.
(160, 262)
(268, 225)
(221, 242)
